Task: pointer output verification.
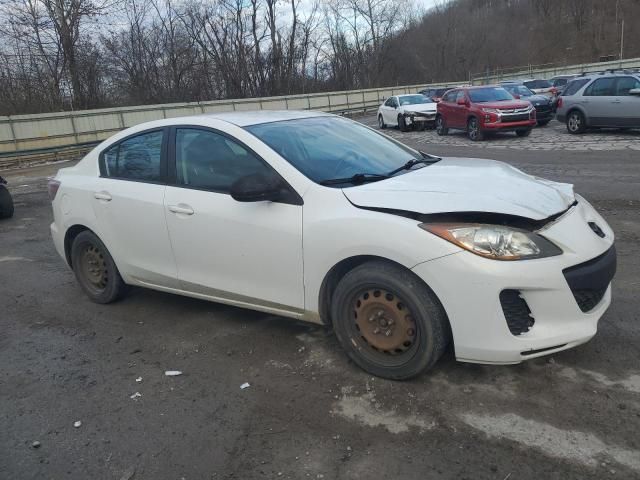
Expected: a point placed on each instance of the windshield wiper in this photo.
(428, 160)
(356, 179)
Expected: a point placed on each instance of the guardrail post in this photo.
(164, 113)
(329, 100)
(73, 128)
(286, 103)
(121, 119)
(308, 102)
(13, 134)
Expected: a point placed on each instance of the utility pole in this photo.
(622, 40)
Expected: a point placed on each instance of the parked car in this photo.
(541, 87)
(560, 82)
(317, 217)
(542, 103)
(482, 110)
(6, 201)
(435, 93)
(407, 111)
(601, 100)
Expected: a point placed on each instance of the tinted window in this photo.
(413, 99)
(211, 161)
(520, 90)
(559, 82)
(136, 158)
(538, 84)
(491, 94)
(624, 84)
(439, 92)
(450, 96)
(389, 102)
(601, 87)
(573, 86)
(324, 148)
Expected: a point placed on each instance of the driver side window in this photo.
(210, 161)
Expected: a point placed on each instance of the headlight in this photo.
(491, 110)
(495, 241)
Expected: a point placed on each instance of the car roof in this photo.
(244, 119)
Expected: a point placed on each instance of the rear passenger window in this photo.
(136, 158)
(624, 84)
(574, 86)
(602, 87)
(210, 161)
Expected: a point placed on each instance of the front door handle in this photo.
(181, 208)
(104, 196)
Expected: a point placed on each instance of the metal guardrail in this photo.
(26, 136)
(550, 70)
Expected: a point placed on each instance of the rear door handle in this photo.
(102, 196)
(181, 208)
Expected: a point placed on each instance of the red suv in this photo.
(480, 110)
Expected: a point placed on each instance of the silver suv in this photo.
(610, 99)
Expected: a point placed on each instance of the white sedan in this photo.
(319, 218)
(407, 111)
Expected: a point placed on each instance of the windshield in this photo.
(490, 94)
(413, 99)
(325, 148)
(518, 90)
(440, 92)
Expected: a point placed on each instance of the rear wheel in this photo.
(576, 122)
(402, 124)
(388, 321)
(441, 128)
(95, 270)
(525, 132)
(381, 123)
(474, 131)
(6, 203)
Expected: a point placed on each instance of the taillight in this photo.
(53, 187)
(559, 102)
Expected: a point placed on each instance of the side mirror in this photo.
(634, 91)
(461, 101)
(256, 188)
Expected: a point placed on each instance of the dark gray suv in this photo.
(601, 100)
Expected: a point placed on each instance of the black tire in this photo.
(576, 122)
(6, 203)
(525, 132)
(543, 123)
(402, 125)
(474, 132)
(95, 270)
(381, 123)
(421, 324)
(441, 127)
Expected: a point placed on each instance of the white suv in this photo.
(317, 217)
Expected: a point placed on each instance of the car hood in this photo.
(466, 185)
(420, 107)
(504, 104)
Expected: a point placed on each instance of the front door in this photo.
(598, 100)
(627, 107)
(244, 253)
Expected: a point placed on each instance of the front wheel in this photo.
(576, 122)
(441, 128)
(381, 123)
(474, 131)
(402, 124)
(95, 270)
(388, 321)
(524, 132)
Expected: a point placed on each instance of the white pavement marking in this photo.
(15, 259)
(571, 445)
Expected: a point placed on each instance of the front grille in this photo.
(543, 108)
(589, 281)
(515, 118)
(516, 312)
(588, 299)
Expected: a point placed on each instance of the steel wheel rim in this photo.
(440, 125)
(94, 268)
(574, 122)
(383, 327)
(380, 121)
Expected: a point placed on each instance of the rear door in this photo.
(128, 201)
(446, 108)
(627, 107)
(245, 253)
(599, 101)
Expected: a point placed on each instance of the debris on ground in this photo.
(172, 373)
(35, 444)
(135, 395)
(128, 473)
(77, 424)
(139, 379)
(244, 385)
